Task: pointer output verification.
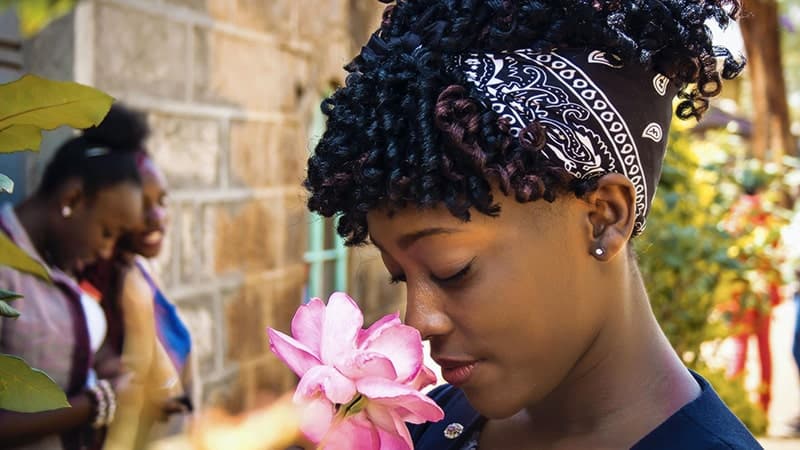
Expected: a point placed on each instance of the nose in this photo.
(425, 311)
(106, 251)
(155, 217)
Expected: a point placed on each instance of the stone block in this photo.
(271, 377)
(297, 217)
(240, 72)
(187, 149)
(140, 53)
(247, 314)
(226, 393)
(253, 158)
(265, 154)
(163, 264)
(248, 237)
(197, 5)
(317, 23)
(292, 155)
(195, 246)
(274, 17)
(51, 52)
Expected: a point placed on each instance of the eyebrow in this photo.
(407, 240)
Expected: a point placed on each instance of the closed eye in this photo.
(395, 279)
(456, 277)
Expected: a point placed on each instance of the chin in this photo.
(149, 251)
(493, 405)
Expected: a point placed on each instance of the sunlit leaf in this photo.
(24, 389)
(36, 14)
(13, 256)
(7, 310)
(6, 184)
(46, 104)
(20, 137)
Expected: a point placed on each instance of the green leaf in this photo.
(28, 390)
(36, 14)
(6, 184)
(7, 311)
(47, 104)
(13, 256)
(20, 137)
(9, 295)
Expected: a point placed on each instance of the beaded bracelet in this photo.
(101, 406)
(111, 400)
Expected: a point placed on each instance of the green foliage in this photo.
(24, 389)
(32, 104)
(6, 184)
(684, 253)
(13, 256)
(36, 14)
(5, 309)
(687, 260)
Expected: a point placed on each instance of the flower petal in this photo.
(392, 430)
(340, 328)
(395, 441)
(295, 354)
(336, 387)
(425, 377)
(307, 324)
(316, 419)
(403, 345)
(366, 336)
(353, 433)
(411, 405)
(367, 364)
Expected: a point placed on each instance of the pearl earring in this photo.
(599, 252)
(66, 211)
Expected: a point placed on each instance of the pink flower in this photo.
(358, 387)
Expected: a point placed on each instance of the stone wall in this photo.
(229, 87)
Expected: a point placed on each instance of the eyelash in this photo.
(395, 279)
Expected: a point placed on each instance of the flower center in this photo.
(356, 405)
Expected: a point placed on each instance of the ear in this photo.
(71, 194)
(612, 214)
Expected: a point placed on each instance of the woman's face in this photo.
(93, 226)
(148, 239)
(509, 303)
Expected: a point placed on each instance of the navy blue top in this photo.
(703, 424)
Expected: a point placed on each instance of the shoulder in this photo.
(136, 291)
(459, 422)
(704, 424)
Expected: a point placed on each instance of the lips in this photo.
(153, 237)
(457, 371)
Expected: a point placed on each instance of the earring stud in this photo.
(66, 211)
(599, 251)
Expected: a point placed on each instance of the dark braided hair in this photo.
(406, 131)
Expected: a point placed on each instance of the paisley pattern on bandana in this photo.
(584, 130)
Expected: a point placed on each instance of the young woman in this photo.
(501, 155)
(89, 195)
(145, 332)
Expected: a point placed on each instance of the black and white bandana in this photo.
(599, 116)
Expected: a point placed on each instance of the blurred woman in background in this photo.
(144, 328)
(90, 194)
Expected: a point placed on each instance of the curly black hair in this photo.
(406, 131)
